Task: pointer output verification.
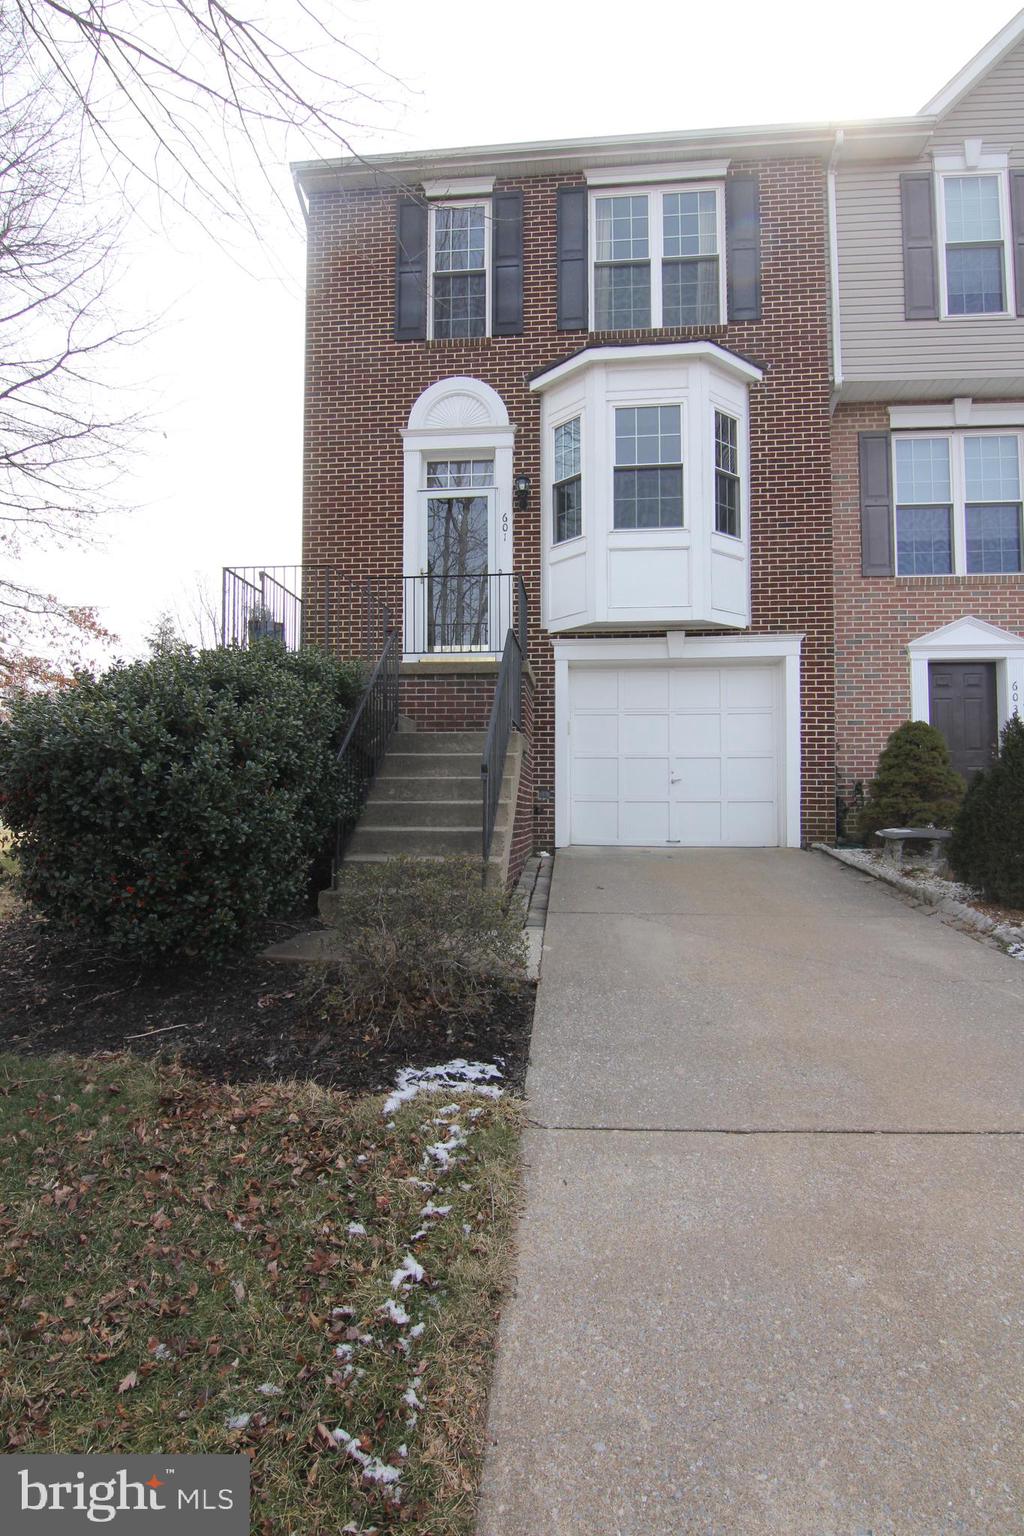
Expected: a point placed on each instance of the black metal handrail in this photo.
(506, 716)
(366, 740)
(313, 604)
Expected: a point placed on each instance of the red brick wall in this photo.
(361, 385)
(877, 616)
(446, 702)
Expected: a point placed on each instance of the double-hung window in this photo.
(975, 270)
(568, 487)
(648, 473)
(458, 263)
(958, 504)
(658, 259)
(727, 475)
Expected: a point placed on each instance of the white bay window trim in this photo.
(656, 258)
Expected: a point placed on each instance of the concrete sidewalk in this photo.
(770, 1277)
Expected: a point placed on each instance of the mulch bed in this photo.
(247, 1018)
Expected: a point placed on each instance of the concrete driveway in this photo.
(771, 1274)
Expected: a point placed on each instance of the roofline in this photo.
(983, 61)
(407, 168)
(645, 352)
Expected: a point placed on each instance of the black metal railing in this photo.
(457, 613)
(506, 716)
(366, 739)
(313, 604)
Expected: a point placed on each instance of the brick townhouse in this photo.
(738, 411)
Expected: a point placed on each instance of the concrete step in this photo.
(439, 741)
(415, 842)
(430, 813)
(399, 764)
(424, 787)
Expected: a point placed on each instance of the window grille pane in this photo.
(922, 470)
(727, 504)
(622, 229)
(974, 279)
(622, 298)
(923, 542)
(992, 468)
(460, 305)
(691, 224)
(567, 449)
(459, 235)
(648, 434)
(689, 293)
(972, 208)
(648, 498)
(457, 474)
(726, 452)
(568, 510)
(993, 538)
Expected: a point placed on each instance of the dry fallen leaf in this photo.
(130, 1381)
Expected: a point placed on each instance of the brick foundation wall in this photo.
(361, 385)
(446, 701)
(876, 617)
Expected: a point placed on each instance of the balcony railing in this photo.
(304, 605)
(458, 614)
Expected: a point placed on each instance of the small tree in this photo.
(986, 850)
(914, 785)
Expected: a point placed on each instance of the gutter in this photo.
(833, 259)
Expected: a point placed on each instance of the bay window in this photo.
(648, 474)
(657, 258)
(958, 504)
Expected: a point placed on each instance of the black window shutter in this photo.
(1017, 222)
(920, 270)
(743, 247)
(411, 270)
(572, 259)
(876, 504)
(507, 263)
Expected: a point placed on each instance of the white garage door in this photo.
(684, 753)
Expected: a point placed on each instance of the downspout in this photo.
(833, 261)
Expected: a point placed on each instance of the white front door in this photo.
(681, 753)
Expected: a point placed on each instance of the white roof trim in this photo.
(969, 635)
(459, 186)
(672, 352)
(977, 67)
(962, 413)
(680, 170)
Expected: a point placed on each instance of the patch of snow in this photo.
(410, 1082)
(416, 1330)
(409, 1272)
(161, 1352)
(344, 1351)
(374, 1470)
(356, 1229)
(239, 1420)
(409, 1396)
(442, 1152)
(396, 1312)
(269, 1390)
(430, 1209)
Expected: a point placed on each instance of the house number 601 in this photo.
(504, 526)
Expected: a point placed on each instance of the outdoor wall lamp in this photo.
(522, 492)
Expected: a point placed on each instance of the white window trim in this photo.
(1010, 303)
(655, 195)
(958, 494)
(571, 413)
(652, 175)
(677, 646)
(740, 475)
(461, 203)
(654, 403)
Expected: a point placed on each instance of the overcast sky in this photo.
(218, 480)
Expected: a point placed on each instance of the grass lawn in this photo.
(197, 1267)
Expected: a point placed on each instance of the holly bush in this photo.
(167, 806)
(987, 847)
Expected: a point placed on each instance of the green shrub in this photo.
(167, 806)
(986, 850)
(417, 933)
(914, 785)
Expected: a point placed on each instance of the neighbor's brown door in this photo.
(962, 703)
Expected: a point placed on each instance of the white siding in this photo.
(877, 342)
